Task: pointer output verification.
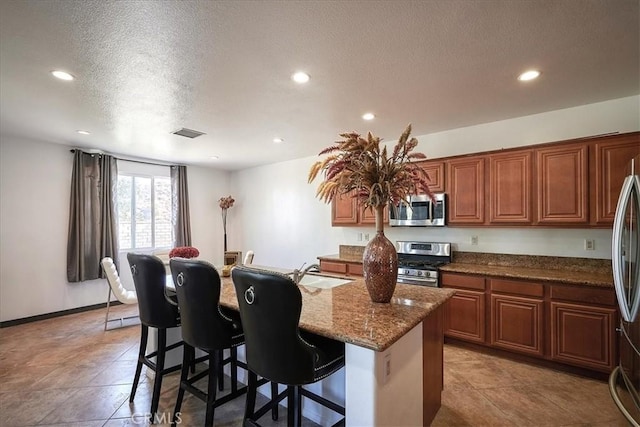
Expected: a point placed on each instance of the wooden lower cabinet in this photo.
(517, 324)
(465, 313)
(570, 324)
(464, 316)
(583, 335)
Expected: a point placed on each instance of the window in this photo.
(144, 211)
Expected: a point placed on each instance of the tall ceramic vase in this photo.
(380, 263)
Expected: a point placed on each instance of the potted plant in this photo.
(377, 179)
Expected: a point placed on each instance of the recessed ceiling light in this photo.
(62, 75)
(83, 132)
(529, 75)
(278, 140)
(368, 116)
(214, 157)
(300, 77)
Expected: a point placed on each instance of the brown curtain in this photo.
(92, 216)
(180, 206)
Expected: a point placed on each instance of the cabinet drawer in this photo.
(517, 287)
(463, 281)
(584, 294)
(355, 269)
(333, 267)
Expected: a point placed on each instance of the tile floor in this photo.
(68, 372)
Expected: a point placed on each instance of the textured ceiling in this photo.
(146, 69)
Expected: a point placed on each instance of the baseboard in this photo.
(15, 322)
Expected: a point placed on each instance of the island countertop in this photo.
(346, 313)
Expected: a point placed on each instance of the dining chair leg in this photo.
(188, 353)
(214, 361)
(106, 317)
(141, 354)
(157, 382)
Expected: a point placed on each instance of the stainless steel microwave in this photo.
(419, 211)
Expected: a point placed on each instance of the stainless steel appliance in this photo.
(624, 381)
(419, 211)
(418, 262)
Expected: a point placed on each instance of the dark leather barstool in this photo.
(208, 327)
(270, 306)
(156, 311)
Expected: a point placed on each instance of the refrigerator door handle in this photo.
(628, 309)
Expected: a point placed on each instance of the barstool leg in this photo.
(141, 354)
(214, 362)
(250, 403)
(188, 353)
(234, 369)
(220, 369)
(157, 382)
(293, 406)
(274, 397)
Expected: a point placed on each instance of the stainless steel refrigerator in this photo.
(624, 382)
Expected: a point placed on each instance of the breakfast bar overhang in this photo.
(393, 355)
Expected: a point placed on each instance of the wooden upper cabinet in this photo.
(612, 156)
(435, 170)
(562, 182)
(465, 187)
(510, 192)
(368, 216)
(344, 210)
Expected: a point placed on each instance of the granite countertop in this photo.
(584, 278)
(573, 271)
(346, 313)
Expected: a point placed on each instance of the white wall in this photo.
(35, 181)
(286, 225)
(276, 213)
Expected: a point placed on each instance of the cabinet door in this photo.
(465, 183)
(344, 210)
(435, 170)
(583, 335)
(368, 216)
(464, 316)
(612, 157)
(562, 184)
(517, 324)
(510, 188)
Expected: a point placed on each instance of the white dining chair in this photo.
(248, 258)
(115, 286)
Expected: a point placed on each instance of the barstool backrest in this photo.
(198, 289)
(150, 279)
(270, 306)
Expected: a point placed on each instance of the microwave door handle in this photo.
(628, 309)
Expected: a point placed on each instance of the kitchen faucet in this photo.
(299, 273)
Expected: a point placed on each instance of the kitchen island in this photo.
(393, 352)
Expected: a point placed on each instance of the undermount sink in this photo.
(322, 282)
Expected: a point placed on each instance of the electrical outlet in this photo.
(589, 245)
(359, 237)
(366, 237)
(387, 367)
(474, 240)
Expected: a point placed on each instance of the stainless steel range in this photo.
(418, 262)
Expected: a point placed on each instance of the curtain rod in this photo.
(73, 150)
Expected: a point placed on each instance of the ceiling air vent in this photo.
(189, 133)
